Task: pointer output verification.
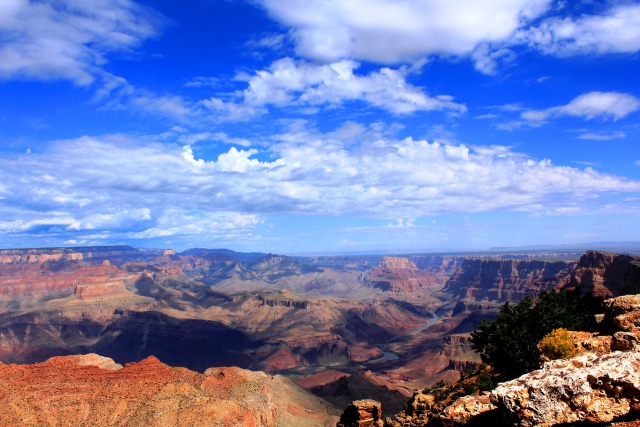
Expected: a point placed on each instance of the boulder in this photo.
(587, 388)
(362, 413)
(464, 409)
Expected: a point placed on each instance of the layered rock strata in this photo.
(398, 274)
(507, 280)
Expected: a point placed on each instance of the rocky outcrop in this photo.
(285, 298)
(418, 411)
(91, 390)
(592, 387)
(465, 409)
(607, 274)
(589, 388)
(362, 413)
(507, 280)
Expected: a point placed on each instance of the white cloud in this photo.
(236, 160)
(136, 189)
(68, 39)
(589, 106)
(295, 83)
(602, 136)
(486, 60)
(392, 31)
(116, 93)
(213, 225)
(616, 31)
(168, 106)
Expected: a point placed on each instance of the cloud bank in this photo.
(140, 189)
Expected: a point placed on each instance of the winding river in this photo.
(388, 355)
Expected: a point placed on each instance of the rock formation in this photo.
(464, 409)
(92, 390)
(589, 388)
(397, 274)
(607, 274)
(362, 413)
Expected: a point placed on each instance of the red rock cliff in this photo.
(607, 274)
(507, 280)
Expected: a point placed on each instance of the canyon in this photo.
(342, 327)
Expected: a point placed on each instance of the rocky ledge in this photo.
(587, 388)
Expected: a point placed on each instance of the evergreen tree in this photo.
(509, 343)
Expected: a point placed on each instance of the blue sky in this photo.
(319, 126)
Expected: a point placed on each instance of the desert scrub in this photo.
(557, 344)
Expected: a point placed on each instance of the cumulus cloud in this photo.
(590, 105)
(615, 31)
(68, 39)
(392, 31)
(487, 32)
(296, 83)
(138, 189)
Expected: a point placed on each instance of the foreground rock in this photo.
(593, 387)
(464, 409)
(586, 388)
(92, 390)
(362, 413)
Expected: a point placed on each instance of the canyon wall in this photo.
(607, 274)
(507, 280)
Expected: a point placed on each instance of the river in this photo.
(388, 355)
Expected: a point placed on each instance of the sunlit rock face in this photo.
(94, 390)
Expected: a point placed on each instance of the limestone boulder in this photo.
(587, 388)
(464, 409)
